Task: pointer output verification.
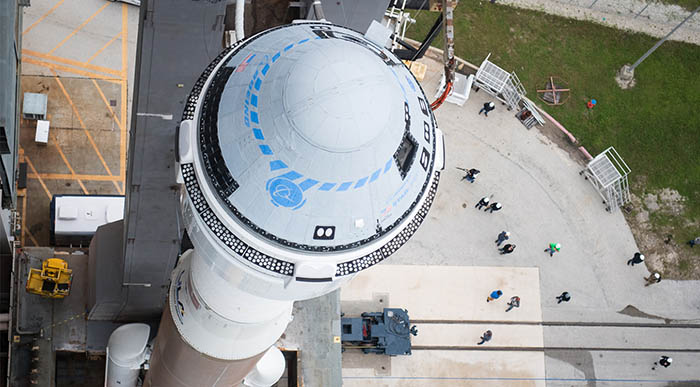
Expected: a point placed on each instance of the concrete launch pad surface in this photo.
(448, 305)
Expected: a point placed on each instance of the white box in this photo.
(42, 132)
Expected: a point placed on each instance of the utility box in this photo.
(75, 218)
(42, 132)
(34, 106)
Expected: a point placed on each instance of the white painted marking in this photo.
(167, 117)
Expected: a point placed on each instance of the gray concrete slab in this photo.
(313, 330)
(545, 200)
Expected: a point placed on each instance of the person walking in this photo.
(694, 242)
(493, 207)
(514, 303)
(553, 248)
(507, 249)
(564, 297)
(471, 175)
(494, 295)
(664, 361)
(488, 106)
(637, 258)
(482, 203)
(485, 337)
(654, 278)
(502, 237)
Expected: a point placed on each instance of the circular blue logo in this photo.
(285, 193)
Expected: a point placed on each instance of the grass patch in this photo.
(655, 126)
(689, 5)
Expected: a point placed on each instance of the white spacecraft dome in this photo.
(315, 138)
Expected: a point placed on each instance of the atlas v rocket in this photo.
(306, 153)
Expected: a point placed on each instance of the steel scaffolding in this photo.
(499, 83)
(608, 174)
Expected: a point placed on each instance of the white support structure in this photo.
(499, 83)
(608, 174)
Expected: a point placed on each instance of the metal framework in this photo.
(499, 83)
(608, 174)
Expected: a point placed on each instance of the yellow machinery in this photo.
(52, 281)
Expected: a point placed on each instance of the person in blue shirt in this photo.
(494, 295)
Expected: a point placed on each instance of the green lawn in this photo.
(687, 4)
(655, 126)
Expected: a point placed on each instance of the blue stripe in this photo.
(254, 117)
(254, 100)
(258, 134)
(265, 149)
(277, 164)
(289, 47)
(292, 175)
(326, 186)
(258, 82)
(387, 166)
(375, 175)
(361, 182)
(308, 183)
(344, 186)
(251, 58)
(274, 58)
(264, 69)
(303, 41)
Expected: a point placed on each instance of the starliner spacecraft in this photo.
(306, 154)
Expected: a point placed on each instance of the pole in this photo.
(640, 60)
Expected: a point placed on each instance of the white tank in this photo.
(268, 370)
(126, 352)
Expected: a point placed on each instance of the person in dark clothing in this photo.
(488, 106)
(502, 237)
(654, 278)
(485, 337)
(514, 303)
(482, 203)
(507, 249)
(471, 175)
(493, 207)
(638, 258)
(694, 242)
(664, 361)
(564, 297)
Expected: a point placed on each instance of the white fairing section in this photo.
(268, 370)
(220, 319)
(126, 352)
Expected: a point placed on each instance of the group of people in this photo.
(654, 277)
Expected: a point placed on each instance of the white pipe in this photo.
(4, 317)
(240, 10)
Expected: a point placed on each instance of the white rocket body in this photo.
(306, 154)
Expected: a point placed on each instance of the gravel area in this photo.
(652, 18)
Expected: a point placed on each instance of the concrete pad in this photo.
(467, 335)
(449, 292)
(455, 368)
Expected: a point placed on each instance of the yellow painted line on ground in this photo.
(43, 17)
(68, 176)
(53, 66)
(125, 31)
(72, 62)
(41, 181)
(32, 238)
(65, 160)
(82, 124)
(104, 47)
(111, 111)
(75, 31)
